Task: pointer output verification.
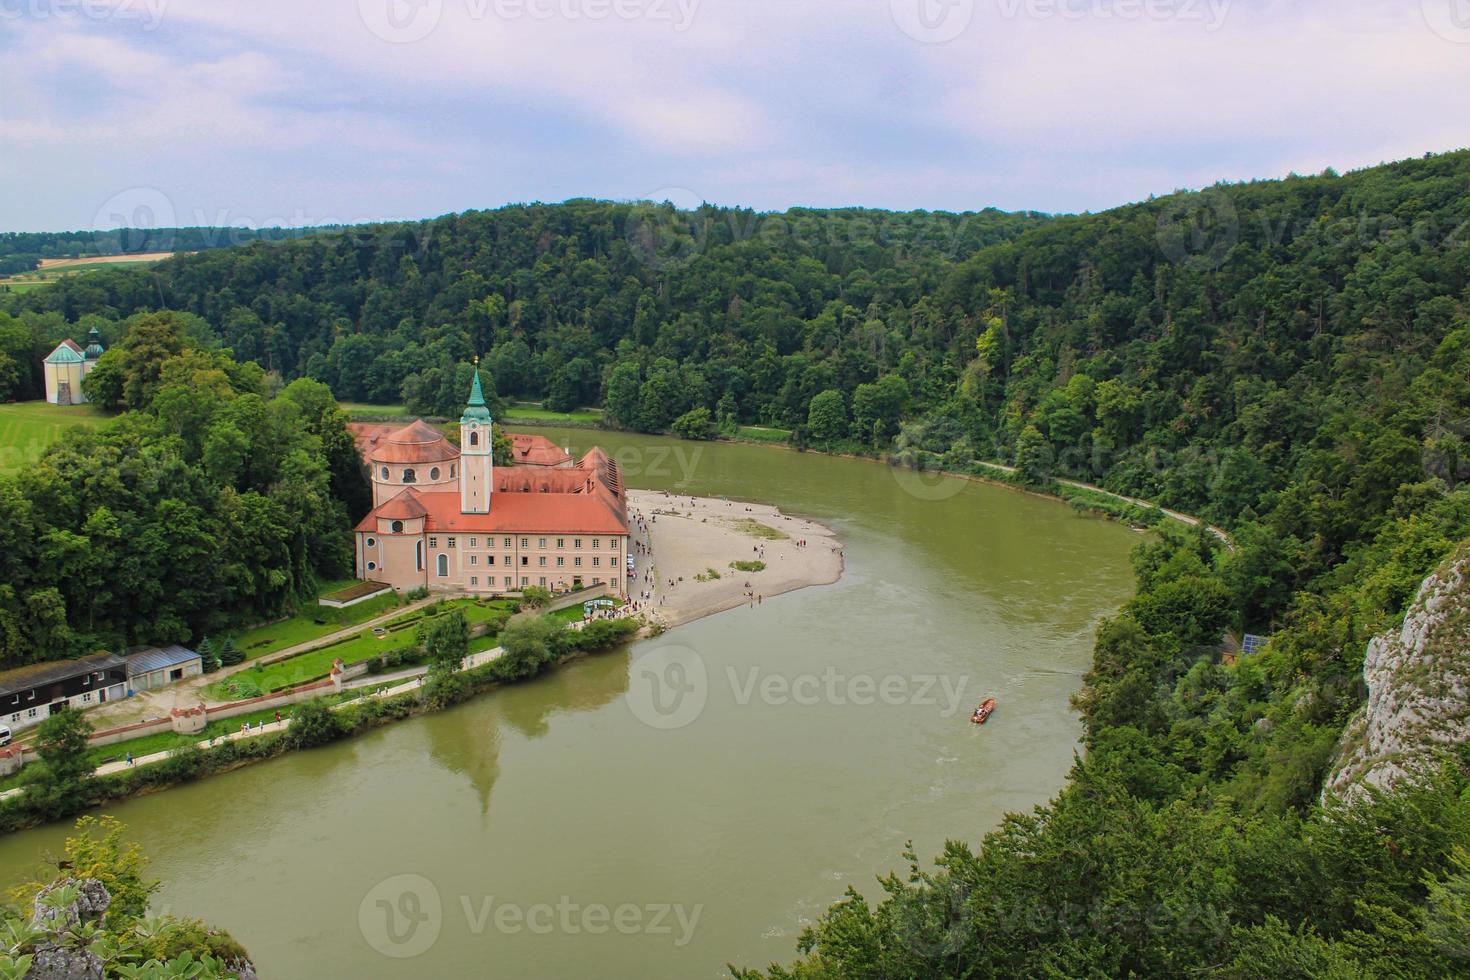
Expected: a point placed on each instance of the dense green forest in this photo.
(1289, 359)
(212, 500)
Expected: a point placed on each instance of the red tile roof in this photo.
(530, 450)
(407, 506)
(585, 499)
(417, 442)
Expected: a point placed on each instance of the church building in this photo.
(448, 519)
(67, 365)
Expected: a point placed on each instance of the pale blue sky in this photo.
(313, 111)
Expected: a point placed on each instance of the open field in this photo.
(27, 429)
(756, 433)
(534, 412)
(362, 412)
(54, 269)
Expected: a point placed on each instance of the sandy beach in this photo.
(691, 536)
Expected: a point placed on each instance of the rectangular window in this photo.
(561, 562)
(596, 562)
(15, 717)
(541, 561)
(561, 542)
(577, 543)
(542, 542)
(507, 544)
(474, 542)
(474, 559)
(474, 580)
(577, 562)
(433, 542)
(30, 712)
(543, 581)
(87, 696)
(507, 560)
(451, 542)
(507, 581)
(525, 581)
(525, 542)
(596, 543)
(525, 560)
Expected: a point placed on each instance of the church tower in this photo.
(477, 467)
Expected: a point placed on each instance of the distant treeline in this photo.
(22, 251)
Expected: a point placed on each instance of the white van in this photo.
(4, 735)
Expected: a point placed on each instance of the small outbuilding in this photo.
(150, 668)
(31, 694)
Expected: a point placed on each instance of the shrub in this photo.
(313, 724)
(748, 566)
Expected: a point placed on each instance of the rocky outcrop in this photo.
(1418, 679)
(55, 959)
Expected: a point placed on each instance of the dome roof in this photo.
(415, 443)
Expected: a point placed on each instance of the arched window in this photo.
(474, 438)
(434, 475)
(408, 476)
(397, 527)
(384, 473)
(443, 566)
(418, 554)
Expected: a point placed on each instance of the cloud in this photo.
(364, 108)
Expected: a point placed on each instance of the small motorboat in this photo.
(982, 713)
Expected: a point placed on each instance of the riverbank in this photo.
(696, 541)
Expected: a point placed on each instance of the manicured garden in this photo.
(313, 623)
(398, 634)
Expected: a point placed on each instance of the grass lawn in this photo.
(365, 646)
(312, 624)
(756, 433)
(361, 412)
(27, 429)
(534, 412)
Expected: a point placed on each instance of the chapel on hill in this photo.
(448, 519)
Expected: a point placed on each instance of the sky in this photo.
(300, 112)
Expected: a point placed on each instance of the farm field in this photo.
(53, 269)
(27, 429)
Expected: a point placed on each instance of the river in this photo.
(560, 828)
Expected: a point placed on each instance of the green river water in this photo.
(562, 828)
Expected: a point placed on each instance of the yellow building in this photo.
(67, 365)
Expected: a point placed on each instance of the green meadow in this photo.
(28, 429)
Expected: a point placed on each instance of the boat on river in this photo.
(982, 713)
